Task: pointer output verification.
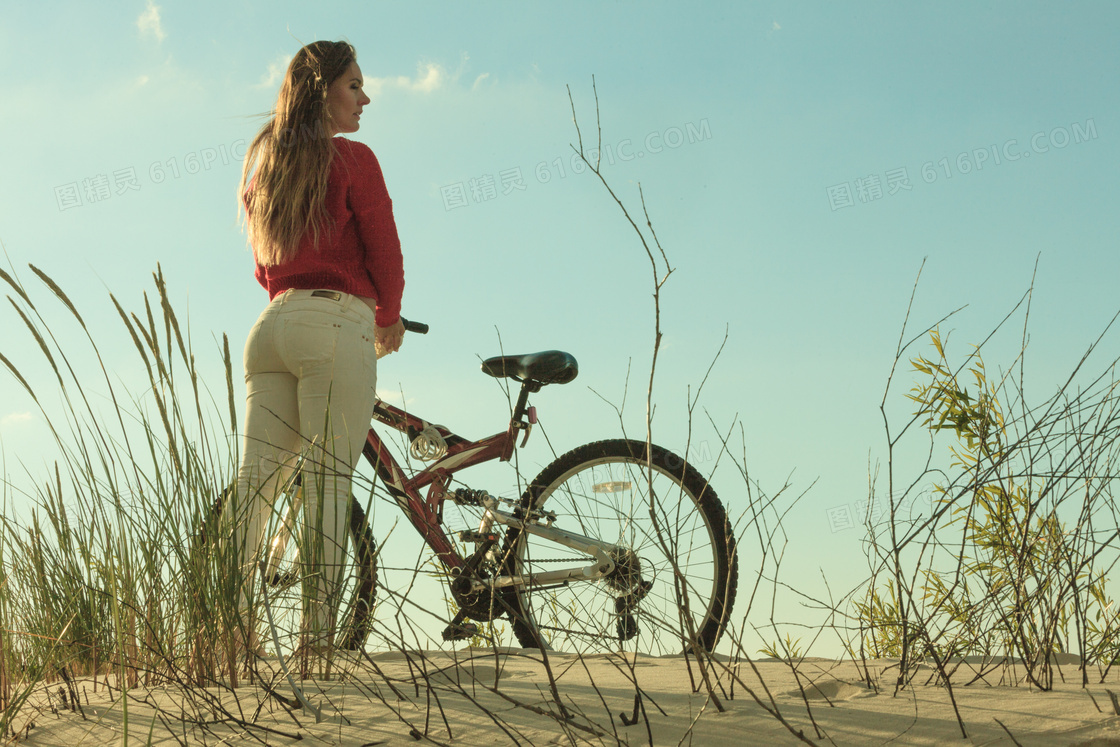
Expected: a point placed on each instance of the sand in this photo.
(483, 697)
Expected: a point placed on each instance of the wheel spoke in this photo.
(664, 523)
(285, 576)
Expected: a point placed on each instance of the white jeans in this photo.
(310, 371)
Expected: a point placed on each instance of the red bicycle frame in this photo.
(426, 514)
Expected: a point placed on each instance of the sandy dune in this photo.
(481, 697)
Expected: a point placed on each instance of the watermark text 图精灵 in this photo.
(487, 187)
(118, 183)
(877, 186)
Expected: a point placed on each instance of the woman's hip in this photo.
(306, 331)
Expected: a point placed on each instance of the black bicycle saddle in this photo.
(547, 367)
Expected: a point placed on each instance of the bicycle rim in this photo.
(285, 586)
(675, 569)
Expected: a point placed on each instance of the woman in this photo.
(322, 232)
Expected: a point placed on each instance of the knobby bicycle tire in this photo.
(675, 539)
(362, 591)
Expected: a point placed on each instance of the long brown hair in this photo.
(292, 156)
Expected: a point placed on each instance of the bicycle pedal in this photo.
(460, 632)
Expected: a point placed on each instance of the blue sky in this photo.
(799, 162)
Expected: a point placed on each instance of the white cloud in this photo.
(276, 70)
(478, 81)
(432, 79)
(15, 418)
(429, 77)
(149, 23)
(776, 27)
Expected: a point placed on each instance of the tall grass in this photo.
(102, 577)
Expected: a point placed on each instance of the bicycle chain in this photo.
(555, 560)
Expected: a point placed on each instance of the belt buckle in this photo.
(333, 295)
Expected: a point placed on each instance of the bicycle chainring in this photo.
(483, 606)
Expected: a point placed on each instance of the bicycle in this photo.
(610, 543)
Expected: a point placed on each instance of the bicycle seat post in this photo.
(517, 421)
(528, 387)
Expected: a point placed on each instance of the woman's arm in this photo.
(373, 210)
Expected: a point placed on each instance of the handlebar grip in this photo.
(418, 327)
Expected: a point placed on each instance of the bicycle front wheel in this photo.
(357, 579)
(675, 567)
(283, 574)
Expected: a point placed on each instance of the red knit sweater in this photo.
(360, 254)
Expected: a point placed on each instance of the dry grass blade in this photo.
(42, 343)
(19, 377)
(227, 362)
(171, 321)
(58, 292)
(16, 286)
(132, 331)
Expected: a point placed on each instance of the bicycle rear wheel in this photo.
(676, 568)
(283, 575)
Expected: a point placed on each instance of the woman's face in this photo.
(345, 100)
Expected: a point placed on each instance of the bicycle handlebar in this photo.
(418, 327)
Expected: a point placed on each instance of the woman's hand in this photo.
(388, 339)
